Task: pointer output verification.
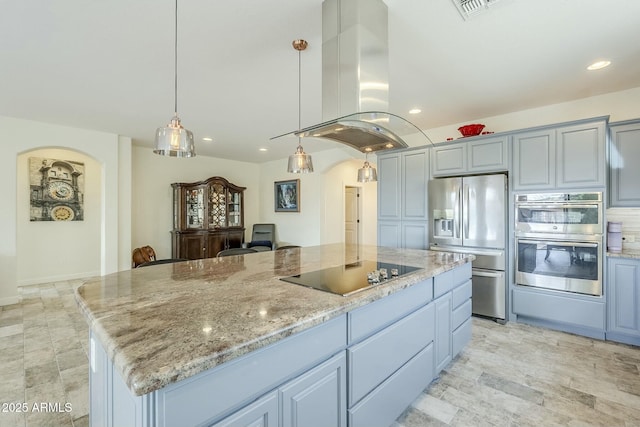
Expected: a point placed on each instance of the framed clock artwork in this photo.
(62, 213)
(57, 189)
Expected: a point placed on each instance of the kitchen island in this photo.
(224, 341)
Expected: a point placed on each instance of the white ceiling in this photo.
(108, 65)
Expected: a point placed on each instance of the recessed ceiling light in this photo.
(598, 65)
(262, 149)
(415, 111)
(208, 139)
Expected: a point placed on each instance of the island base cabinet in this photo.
(382, 406)
(316, 398)
(261, 413)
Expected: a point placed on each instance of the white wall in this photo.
(619, 106)
(152, 209)
(58, 250)
(321, 216)
(108, 150)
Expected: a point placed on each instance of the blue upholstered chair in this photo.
(263, 237)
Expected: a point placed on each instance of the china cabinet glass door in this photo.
(195, 208)
(235, 208)
(217, 206)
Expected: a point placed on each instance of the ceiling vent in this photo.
(471, 8)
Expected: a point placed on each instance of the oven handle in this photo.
(557, 205)
(555, 243)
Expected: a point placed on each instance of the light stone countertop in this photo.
(168, 322)
(626, 253)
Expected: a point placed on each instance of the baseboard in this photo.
(60, 278)
(10, 300)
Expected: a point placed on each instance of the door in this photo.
(445, 202)
(351, 215)
(484, 211)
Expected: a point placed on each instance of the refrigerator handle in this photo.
(456, 215)
(465, 212)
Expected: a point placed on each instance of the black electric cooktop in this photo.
(349, 278)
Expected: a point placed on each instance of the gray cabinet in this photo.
(443, 350)
(623, 300)
(261, 413)
(624, 157)
(488, 154)
(452, 314)
(317, 398)
(570, 156)
(565, 311)
(402, 198)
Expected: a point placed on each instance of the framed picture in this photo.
(287, 196)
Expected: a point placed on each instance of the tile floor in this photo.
(511, 375)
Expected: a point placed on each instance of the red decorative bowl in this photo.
(471, 130)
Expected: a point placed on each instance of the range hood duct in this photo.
(355, 88)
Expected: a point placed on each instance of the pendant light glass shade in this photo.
(300, 162)
(174, 140)
(367, 173)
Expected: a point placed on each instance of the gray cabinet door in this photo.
(442, 340)
(449, 160)
(580, 151)
(534, 161)
(624, 173)
(318, 397)
(415, 176)
(261, 413)
(390, 234)
(415, 234)
(488, 155)
(389, 186)
(624, 301)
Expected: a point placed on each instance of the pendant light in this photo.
(174, 140)
(367, 173)
(299, 162)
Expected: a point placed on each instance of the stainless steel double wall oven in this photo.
(559, 241)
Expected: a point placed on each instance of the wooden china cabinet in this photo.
(208, 216)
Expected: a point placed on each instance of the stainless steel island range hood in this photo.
(355, 89)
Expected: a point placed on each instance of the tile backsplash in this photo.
(630, 219)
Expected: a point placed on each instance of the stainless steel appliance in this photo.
(469, 215)
(559, 241)
(351, 278)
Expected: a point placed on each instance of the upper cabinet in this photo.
(470, 157)
(564, 157)
(402, 198)
(624, 157)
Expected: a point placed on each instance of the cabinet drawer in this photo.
(461, 337)
(383, 405)
(560, 308)
(375, 359)
(236, 383)
(461, 294)
(461, 314)
(446, 281)
(371, 318)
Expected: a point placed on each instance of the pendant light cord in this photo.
(175, 64)
(299, 91)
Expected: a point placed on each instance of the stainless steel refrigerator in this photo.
(469, 214)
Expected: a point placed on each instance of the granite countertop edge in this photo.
(143, 377)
